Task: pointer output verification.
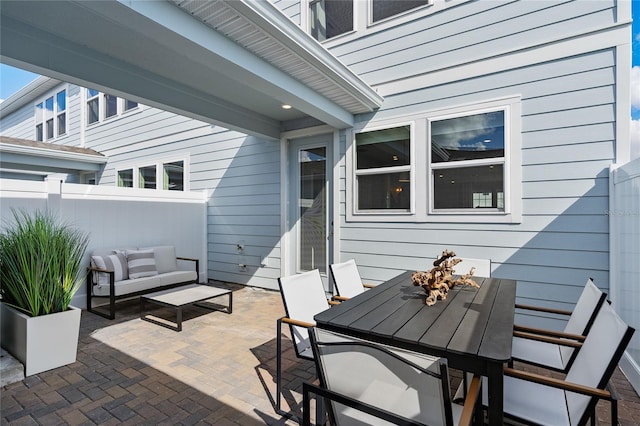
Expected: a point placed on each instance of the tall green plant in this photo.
(40, 263)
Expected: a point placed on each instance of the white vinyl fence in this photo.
(117, 218)
(624, 265)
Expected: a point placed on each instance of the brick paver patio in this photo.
(219, 370)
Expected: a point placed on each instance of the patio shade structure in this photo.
(229, 63)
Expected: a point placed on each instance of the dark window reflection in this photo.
(383, 148)
(330, 18)
(384, 191)
(468, 138)
(469, 188)
(383, 9)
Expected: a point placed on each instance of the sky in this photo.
(13, 79)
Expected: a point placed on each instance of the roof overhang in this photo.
(41, 158)
(232, 63)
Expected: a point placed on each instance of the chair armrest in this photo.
(548, 339)
(473, 394)
(340, 298)
(297, 322)
(558, 383)
(197, 265)
(333, 302)
(367, 285)
(552, 333)
(187, 258)
(542, 309)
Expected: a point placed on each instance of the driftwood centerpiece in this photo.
(437, 281)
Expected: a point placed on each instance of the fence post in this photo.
(54, 195)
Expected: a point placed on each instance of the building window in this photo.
(383, 9)
(125, 178)
(129, 105)
(383, 166)
(93, 106)
(50, 117)
(147, 177)
(110, 105)
(459, 164)
(330, 18)
(173, 176)
(61, 112)
(467, 159)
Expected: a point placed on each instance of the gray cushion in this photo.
(165, 258)
(113, 262)
(141, 263)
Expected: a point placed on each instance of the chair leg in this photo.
(278, 364)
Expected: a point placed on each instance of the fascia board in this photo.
(10, 149)
(30, 92)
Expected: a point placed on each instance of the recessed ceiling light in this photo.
(286, 106)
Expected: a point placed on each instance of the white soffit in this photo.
(261, 28)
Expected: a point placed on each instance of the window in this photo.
(110, 105)
(101, 106)
(50, 117)
(460, 164)
(61, 112)
(383, 166)
(128, 105)
(383, 9)
(330, 18)
(147, 177)
(93, 106)
(172, 173)
(125, 178)
(467, 160)
(173, 176)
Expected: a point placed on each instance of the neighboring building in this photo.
(499, 123)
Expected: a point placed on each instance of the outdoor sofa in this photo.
(124, 273)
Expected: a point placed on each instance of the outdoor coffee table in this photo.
(180, 297)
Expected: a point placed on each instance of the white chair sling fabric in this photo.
(593, 366)
(304, 297)
(389, 378)
(556, 356)
(347, 278)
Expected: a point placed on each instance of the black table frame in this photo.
(472, 328)
(212, 293)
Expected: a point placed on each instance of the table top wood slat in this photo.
(470, 332)
(497, 345)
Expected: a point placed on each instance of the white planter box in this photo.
(40, 343)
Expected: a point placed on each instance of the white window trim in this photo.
(102, 110)
(363, 17)
(159, 166)
(380, 170)
(52, 93)
(421, 177)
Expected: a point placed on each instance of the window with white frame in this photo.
(330, 18)
(102, 106)
(173, 174)
(383, 168)
(51, 116)
(467, 161)
(383, 9)
(337, 21)
(461, 164)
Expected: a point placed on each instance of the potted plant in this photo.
(40, 264)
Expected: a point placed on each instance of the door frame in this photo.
(287, 264)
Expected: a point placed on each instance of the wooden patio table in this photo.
(472, 328)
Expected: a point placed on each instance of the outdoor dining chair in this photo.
(367, 383)
(347, 280)
(303, 296)
(540, 399)
(553, 349)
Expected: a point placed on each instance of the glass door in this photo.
(310, 203)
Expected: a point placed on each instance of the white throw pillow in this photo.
(141, 263)
(113, 262)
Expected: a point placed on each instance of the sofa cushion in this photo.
(177, 277)
(131, 285)
(165, 258)
(112, 262)
(141, 263)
